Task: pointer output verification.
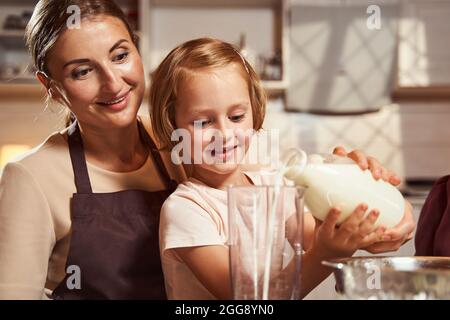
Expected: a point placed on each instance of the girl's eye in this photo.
(203, 123)
(237, 118)
(121, 57)
(81, 73)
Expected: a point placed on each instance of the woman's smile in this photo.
(116, 104)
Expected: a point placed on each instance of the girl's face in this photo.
(216, 103)
(100, 73)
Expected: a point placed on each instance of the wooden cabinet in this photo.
(423, 56)
(263, 23)
(163, 24)
(17, 74)
(14, 58)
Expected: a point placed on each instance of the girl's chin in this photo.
(222, 169)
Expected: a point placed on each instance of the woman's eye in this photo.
(237, 117)
(78, 74)
(121, 57)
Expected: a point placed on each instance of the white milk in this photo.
(333, 181)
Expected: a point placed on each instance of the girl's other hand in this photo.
(356, 231)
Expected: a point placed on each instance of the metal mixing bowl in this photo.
(392, 278)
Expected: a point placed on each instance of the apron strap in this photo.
(79, 166)
(77, 156)
(162, 171)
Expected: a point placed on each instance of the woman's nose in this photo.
(112, 81)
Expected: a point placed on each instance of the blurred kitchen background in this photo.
(369, 75)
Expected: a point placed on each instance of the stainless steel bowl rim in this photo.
(342, 263)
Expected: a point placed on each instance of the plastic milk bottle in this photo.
(333, 181)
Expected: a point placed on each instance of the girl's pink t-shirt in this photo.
(194, 215)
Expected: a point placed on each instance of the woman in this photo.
(108, 236)
(79, 213)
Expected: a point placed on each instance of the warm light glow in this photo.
(9, 151)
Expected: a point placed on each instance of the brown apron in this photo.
(114, 242)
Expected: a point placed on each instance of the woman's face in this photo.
(100, 72)
(214, 106)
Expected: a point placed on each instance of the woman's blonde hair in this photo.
(202, 53)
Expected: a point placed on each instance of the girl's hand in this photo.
(365, 162)
(395, 237)
(355, 232)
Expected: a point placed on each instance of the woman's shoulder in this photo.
(34, 174)
(52, 150)
(43, 164)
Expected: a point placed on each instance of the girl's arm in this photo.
(210, 264)
(309, 224)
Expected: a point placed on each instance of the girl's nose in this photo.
(226, 131)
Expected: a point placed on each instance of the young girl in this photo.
(206, 85)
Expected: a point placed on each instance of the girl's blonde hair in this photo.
(202, 53)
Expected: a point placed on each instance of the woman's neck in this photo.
(116, 149)
(222, 181)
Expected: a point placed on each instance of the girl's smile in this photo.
(224, 154)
